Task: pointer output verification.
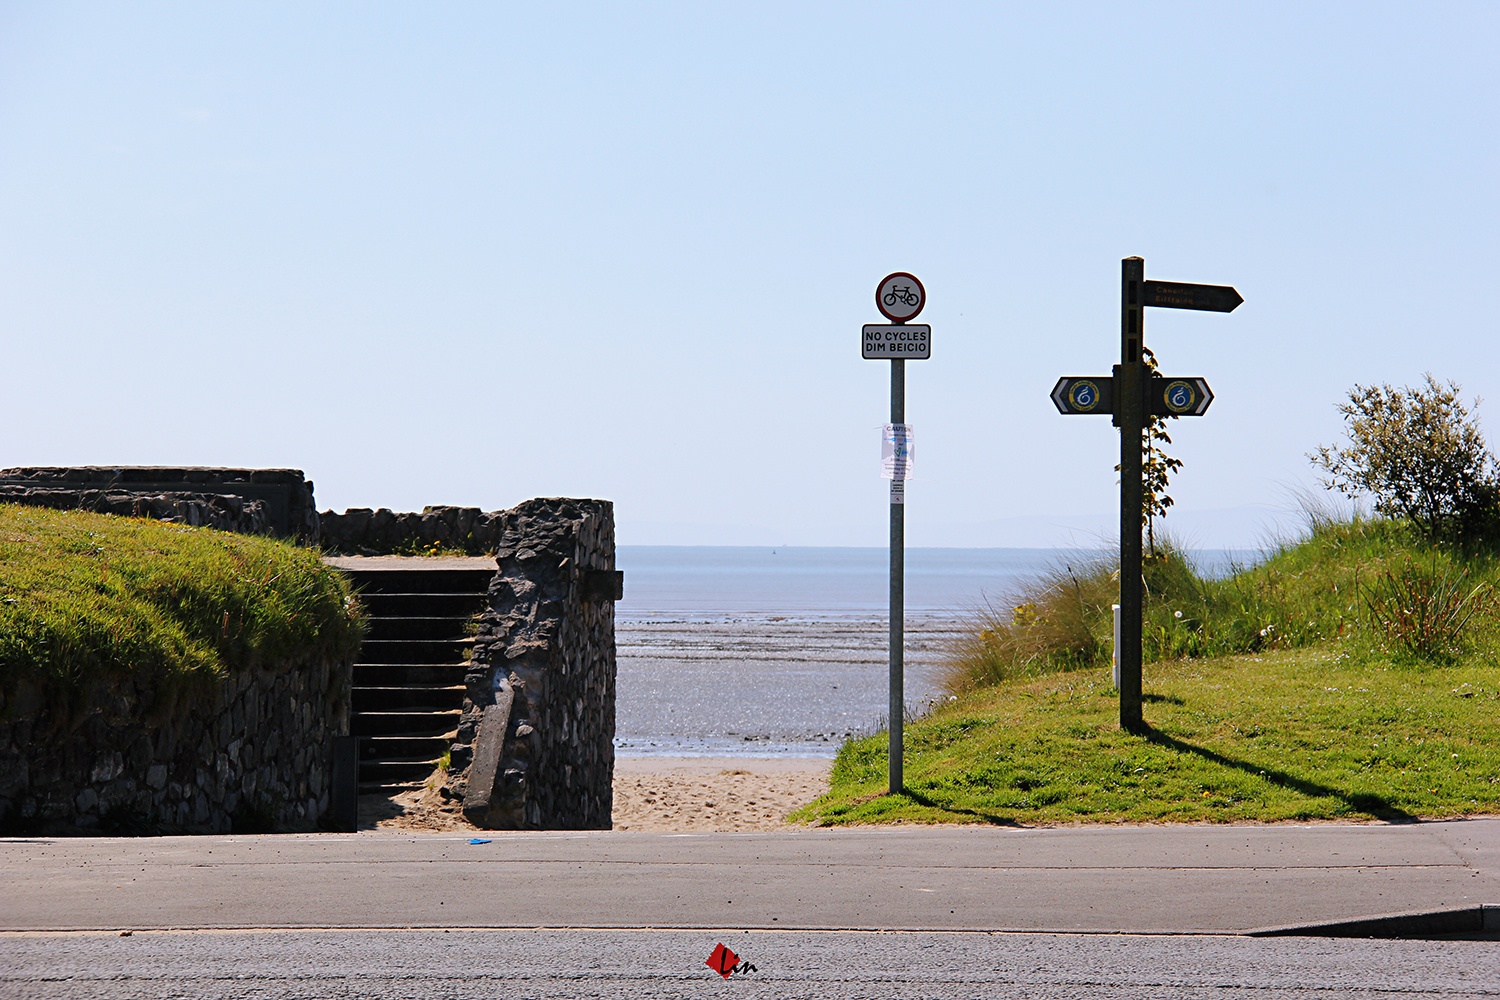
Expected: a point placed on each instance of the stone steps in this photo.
(409, 697)
(409, 675)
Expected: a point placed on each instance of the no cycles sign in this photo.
(899, 297)
(896, 341)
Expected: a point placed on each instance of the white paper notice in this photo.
(898, 495)
(896, 451)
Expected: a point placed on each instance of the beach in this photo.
(661, 794)
(714, 794)
(741, 671)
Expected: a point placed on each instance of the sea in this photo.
(728, 651)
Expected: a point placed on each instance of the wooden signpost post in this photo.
(1130, 395)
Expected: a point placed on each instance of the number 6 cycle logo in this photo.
(1084, 395)
(1180, 396)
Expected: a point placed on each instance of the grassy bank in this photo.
(1352, 676)
(1345, 580)
(83, 595)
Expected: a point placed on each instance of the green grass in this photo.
(1282, 693)
(1291, 735)
(83, 596)
(1315, 591)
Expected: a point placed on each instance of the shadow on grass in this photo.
(990, 818)
(1374, 805)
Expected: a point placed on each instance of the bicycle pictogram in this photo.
(900, 297)
(902, 294)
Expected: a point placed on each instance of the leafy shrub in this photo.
(1417, 452)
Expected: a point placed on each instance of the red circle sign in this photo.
(900, 296)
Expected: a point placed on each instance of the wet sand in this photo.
(713, 684)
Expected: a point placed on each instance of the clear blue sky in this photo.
(474, 253)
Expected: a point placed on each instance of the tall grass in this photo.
(1425, 612)
(1306, 591)
(83, 595)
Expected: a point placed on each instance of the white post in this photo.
(1115, 655)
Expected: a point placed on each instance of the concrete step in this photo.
(418, 605)
(432, 581)
(389, 788)
(408, 698)
(385, 773)
(412, 650)
(403, 748)
(404, 723)
(426, 627)
(409, 674)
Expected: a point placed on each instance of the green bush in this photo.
(1417, 452)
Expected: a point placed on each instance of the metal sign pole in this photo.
(898, 596)
(1129, 390)
(899, 297)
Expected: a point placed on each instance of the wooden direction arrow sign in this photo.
(1165, 397)
(1178, 397)
(1084, 394)
(1178, 295)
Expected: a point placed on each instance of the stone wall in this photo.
(286, 495)
(251, 752)
(226, 513)
(540, 709)
(360, 531)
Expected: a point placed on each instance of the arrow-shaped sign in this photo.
(1165, 397)
(1178, 397)
(1084, 394)
(1178, 295)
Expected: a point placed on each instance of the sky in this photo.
(473, 253)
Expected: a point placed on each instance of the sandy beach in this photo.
(663, 794)
(713, 794)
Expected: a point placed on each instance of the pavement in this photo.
(1135, 880)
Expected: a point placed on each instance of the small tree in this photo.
(1418, 453)
(1156, 465)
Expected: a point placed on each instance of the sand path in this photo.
(664, 794)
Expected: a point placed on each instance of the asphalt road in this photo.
(1165, 879)
(468, 963)
(897, 912)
